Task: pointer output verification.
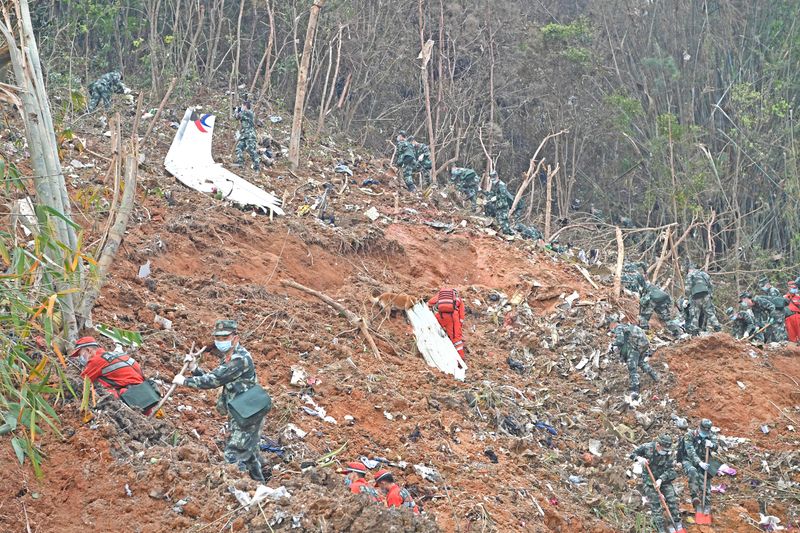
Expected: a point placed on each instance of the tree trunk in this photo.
(427, 88)
(302, 82)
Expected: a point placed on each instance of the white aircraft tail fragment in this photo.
(189, 159)
(433, 343)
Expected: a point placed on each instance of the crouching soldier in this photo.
(242, 400)
(356, 479)
(102, 89)
(657, 457)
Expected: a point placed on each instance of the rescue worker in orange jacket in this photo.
(793, 320)
(356, 479)
(395, 496)
(449, 310)
(115, 371)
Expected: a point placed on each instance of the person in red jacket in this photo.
(115, 371)
(793, 320)
(449, 310)
(395, 496)
(356, 480)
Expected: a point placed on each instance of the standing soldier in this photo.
(466, 181)
(657, 457)
(247, 135)
(634, 348)
(423, 155)
(632, 278)
(236, 374)
(763, 309)
(499, 203)
(793, 318)
(699, 292)
(102, 89)
(692, 454)
(743, 323)
(776, 331)
(654, 299)
(406, 160)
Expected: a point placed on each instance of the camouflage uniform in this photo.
(235, 374)
(104, 87)
(466, 181)
(654, 299)
(777, 331)
(528, 232)
(763, 309)
(248, 139)
(696, 279)
(406, 160)
(500, 200)
(422, 152)
(692, 455)
(663, 468)
(743, 323)
(634, 349)
(632, 278)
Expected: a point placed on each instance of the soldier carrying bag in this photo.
(250, 405)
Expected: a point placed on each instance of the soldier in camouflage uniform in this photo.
(763, 309)
(777, 331)
(423, 156)
(499, 203)
(102, 89)
(743, 323)
(528, 232)
(248, 140)
(699, 292)
(654, 299)
(657, 455)
(406, 160)
(632, 278)
(692, 454)
(634, 348)
(236, 373)
(466, 181)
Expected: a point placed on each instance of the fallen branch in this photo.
(620, 261)
(586, 275)
(158, 111)
(353, 318)
(522, 188)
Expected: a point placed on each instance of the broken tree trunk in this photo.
(522, 187)
(664, 249)
(354, 319)
(620, 261)
(302, 84)
(548, 207)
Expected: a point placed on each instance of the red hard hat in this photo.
(356, 467)
(381, 474)
(83, 342)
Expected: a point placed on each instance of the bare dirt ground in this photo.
(498, 470)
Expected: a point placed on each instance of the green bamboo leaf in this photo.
(19, 449)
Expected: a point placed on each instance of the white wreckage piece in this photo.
(433, 343)
(189, 160)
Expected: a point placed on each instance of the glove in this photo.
(189, 358)
(642, 461)
(709, 444)
(703, 465)
(658, 484)
(179, 379)
(420, 158)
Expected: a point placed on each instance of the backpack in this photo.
(658, 296)
(779, 302)
(699, 290)
(447, 302)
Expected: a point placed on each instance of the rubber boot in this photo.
(679, 528)
(697, 505)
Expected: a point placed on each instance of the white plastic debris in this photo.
(388, 415)
(316, 410)
(428, 473)
(299, 376)
(262, 493)
(293, 431)
(372, 214)
(741, 385)
(594, 447)
(165, 323)
(144, 270)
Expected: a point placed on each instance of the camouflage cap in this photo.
(493, 174)
(402, 133)
(665, 441)
(225, 327)
(705, 424)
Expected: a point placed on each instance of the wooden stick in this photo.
(664, 249)
(174, 385)
(353, 318)
(620, 260)
(586, 275)
(158, 112)
(548, 207)
(522, 187)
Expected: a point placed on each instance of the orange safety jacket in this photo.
(115, 371)
(449, 310)
(397, 497)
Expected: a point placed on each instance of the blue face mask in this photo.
(794, 291)
(223, 346)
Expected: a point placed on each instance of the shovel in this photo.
(663, 501)
(174, 386)
(702, 518)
